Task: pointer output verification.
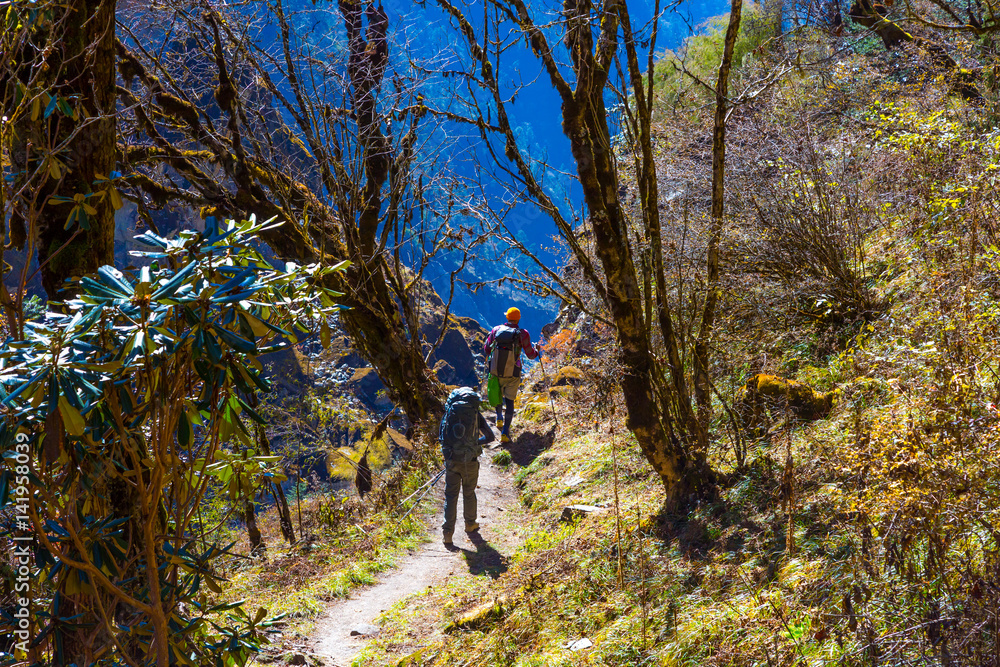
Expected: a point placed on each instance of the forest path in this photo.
(431, 564)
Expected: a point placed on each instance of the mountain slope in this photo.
(862, 260)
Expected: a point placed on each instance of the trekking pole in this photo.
(429, 487)
(546, 376)
(420, 488)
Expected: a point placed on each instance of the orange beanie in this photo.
(513, 315)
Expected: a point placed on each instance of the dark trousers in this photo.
(505, 419)
(460, 477)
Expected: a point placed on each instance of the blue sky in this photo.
(537, 120)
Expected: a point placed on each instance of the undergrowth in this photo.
(343, 543)
(868, 537)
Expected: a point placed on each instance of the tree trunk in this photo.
(280, 501)
(688, 429)
(373, 321)
(257, 546)
(774, 10)
(61, 151)
(683, 470)
(374, 318)
(381, 337)
(702, 347)
(284, 514)
(84, 68)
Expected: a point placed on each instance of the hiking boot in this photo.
(505, 438)
(471, 527)
(446, 539)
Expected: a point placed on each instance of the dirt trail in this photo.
(428, 565)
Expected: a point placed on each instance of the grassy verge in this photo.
(841, 539)
(345, 544)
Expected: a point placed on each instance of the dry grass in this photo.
(878, 543)
(345, 544)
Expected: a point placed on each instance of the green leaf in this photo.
(236, 342)
(185, 432)
(254, 415)
(324, 335)
(51, 106)
(226, 425)
(213, 348)
(259, 328)
(171, 286)
(72, 419)
(112, 278)
(66, 108)
(194, 415)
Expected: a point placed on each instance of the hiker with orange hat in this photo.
(503, 348)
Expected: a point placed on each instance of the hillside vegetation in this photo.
(766, 426)
(862, 260)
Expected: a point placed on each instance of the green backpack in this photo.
(493, 391)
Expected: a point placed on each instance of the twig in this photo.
(549, 390)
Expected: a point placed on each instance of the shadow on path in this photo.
(429, 565)
(485, 559)
(529, 445)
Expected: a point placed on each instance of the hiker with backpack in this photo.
(463, 433)
(503, 348)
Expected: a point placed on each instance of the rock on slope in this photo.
(456, 361)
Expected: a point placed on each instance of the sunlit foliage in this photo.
(133, 399)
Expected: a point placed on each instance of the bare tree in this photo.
(330, 137)
(667, 412)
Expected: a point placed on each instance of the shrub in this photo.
(120, 413)
(811, 226)
(701, 54)
(561, 345)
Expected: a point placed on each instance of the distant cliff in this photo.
(341, 370)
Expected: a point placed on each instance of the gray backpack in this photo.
(459, 433)
(506, 351)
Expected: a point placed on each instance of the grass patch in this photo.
(345, 546)
(502, 458)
